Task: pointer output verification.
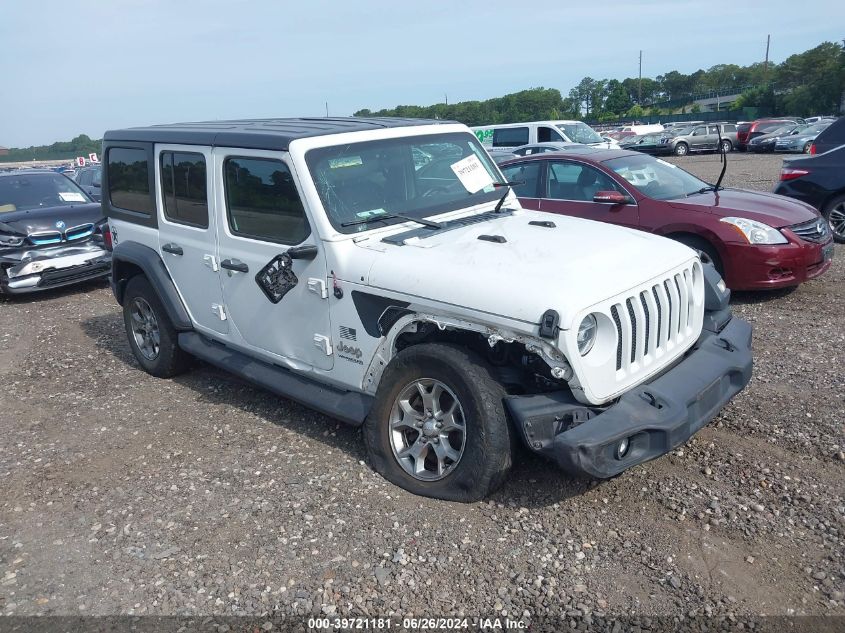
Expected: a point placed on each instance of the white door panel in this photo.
(261, 218)
(188, 231)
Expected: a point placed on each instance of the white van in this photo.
(516, 134)
(639, 130)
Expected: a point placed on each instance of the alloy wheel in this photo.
(427, 429)
(836, 219)
(145, 328)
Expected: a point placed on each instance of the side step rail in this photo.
(348, 406)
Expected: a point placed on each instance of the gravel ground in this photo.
(124, 494)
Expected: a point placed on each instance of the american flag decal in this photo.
(347, 333)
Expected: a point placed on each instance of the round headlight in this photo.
(587, 334)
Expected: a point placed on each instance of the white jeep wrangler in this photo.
(378, 271)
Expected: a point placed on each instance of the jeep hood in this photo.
(567, 268)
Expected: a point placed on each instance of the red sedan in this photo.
(756, 240)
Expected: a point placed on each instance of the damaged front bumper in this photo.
(42, 268)
(647, 421)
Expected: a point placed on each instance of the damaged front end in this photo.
(651, 418)
(38, 264)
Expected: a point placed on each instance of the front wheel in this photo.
(438, 427)
(681, 149)
(807, 146)
(834, 213)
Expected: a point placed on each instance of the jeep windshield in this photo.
(33, 191)
(579, 132)
(374, 183)
(657, 178)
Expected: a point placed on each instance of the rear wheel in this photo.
(151, 334)
(681, 149)
(438, 427)
(727, 146)
(834, 213)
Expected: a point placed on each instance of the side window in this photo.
(728, 129)
(699, 131)
(510, 136)
(528, 174)
(547, 135)
(184, 188)
(574, 181)
(129, 184)
(262, 201)
(712, 129)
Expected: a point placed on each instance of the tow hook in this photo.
(725, 344)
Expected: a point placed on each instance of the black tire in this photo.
(170, 359)
(702, 245)
(727, 145)
(837, 204)
(681, 149)
(487, 454)
(806, 148)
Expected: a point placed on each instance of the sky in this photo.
(70, 67)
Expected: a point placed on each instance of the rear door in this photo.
(187, 232)
(272, 266)
(713, 137)
(569, 190)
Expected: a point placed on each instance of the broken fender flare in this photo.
(127, 258)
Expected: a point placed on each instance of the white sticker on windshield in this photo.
(660, 160)
(472, 174)
(71, 196)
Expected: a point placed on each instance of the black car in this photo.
(830, 137)
(51, 233)
(819, 181)
(89, 179)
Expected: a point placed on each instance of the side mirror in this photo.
(611, 197)
(308, 251)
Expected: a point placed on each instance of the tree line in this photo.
(81, 145)
(812, 82)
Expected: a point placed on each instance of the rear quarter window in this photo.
(129, 184)
(510, 137)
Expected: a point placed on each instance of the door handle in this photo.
(308, 251)
(234, 264)
(173, 249)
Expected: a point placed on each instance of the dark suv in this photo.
(747, 131)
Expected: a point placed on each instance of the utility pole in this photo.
(327, 109)
(766, 65)
(447, 98)
(640, 82)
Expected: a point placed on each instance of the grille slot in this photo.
(79, 232)
(654, 320)
(614, 312)
(45, 237)
(815, 230)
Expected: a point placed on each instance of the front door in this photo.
(187, 232)
(272, 265)
(569, 190)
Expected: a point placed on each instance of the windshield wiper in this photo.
(508, 186)
(392, 216)
(702, 190)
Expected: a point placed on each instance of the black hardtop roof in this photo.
(273, 134)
